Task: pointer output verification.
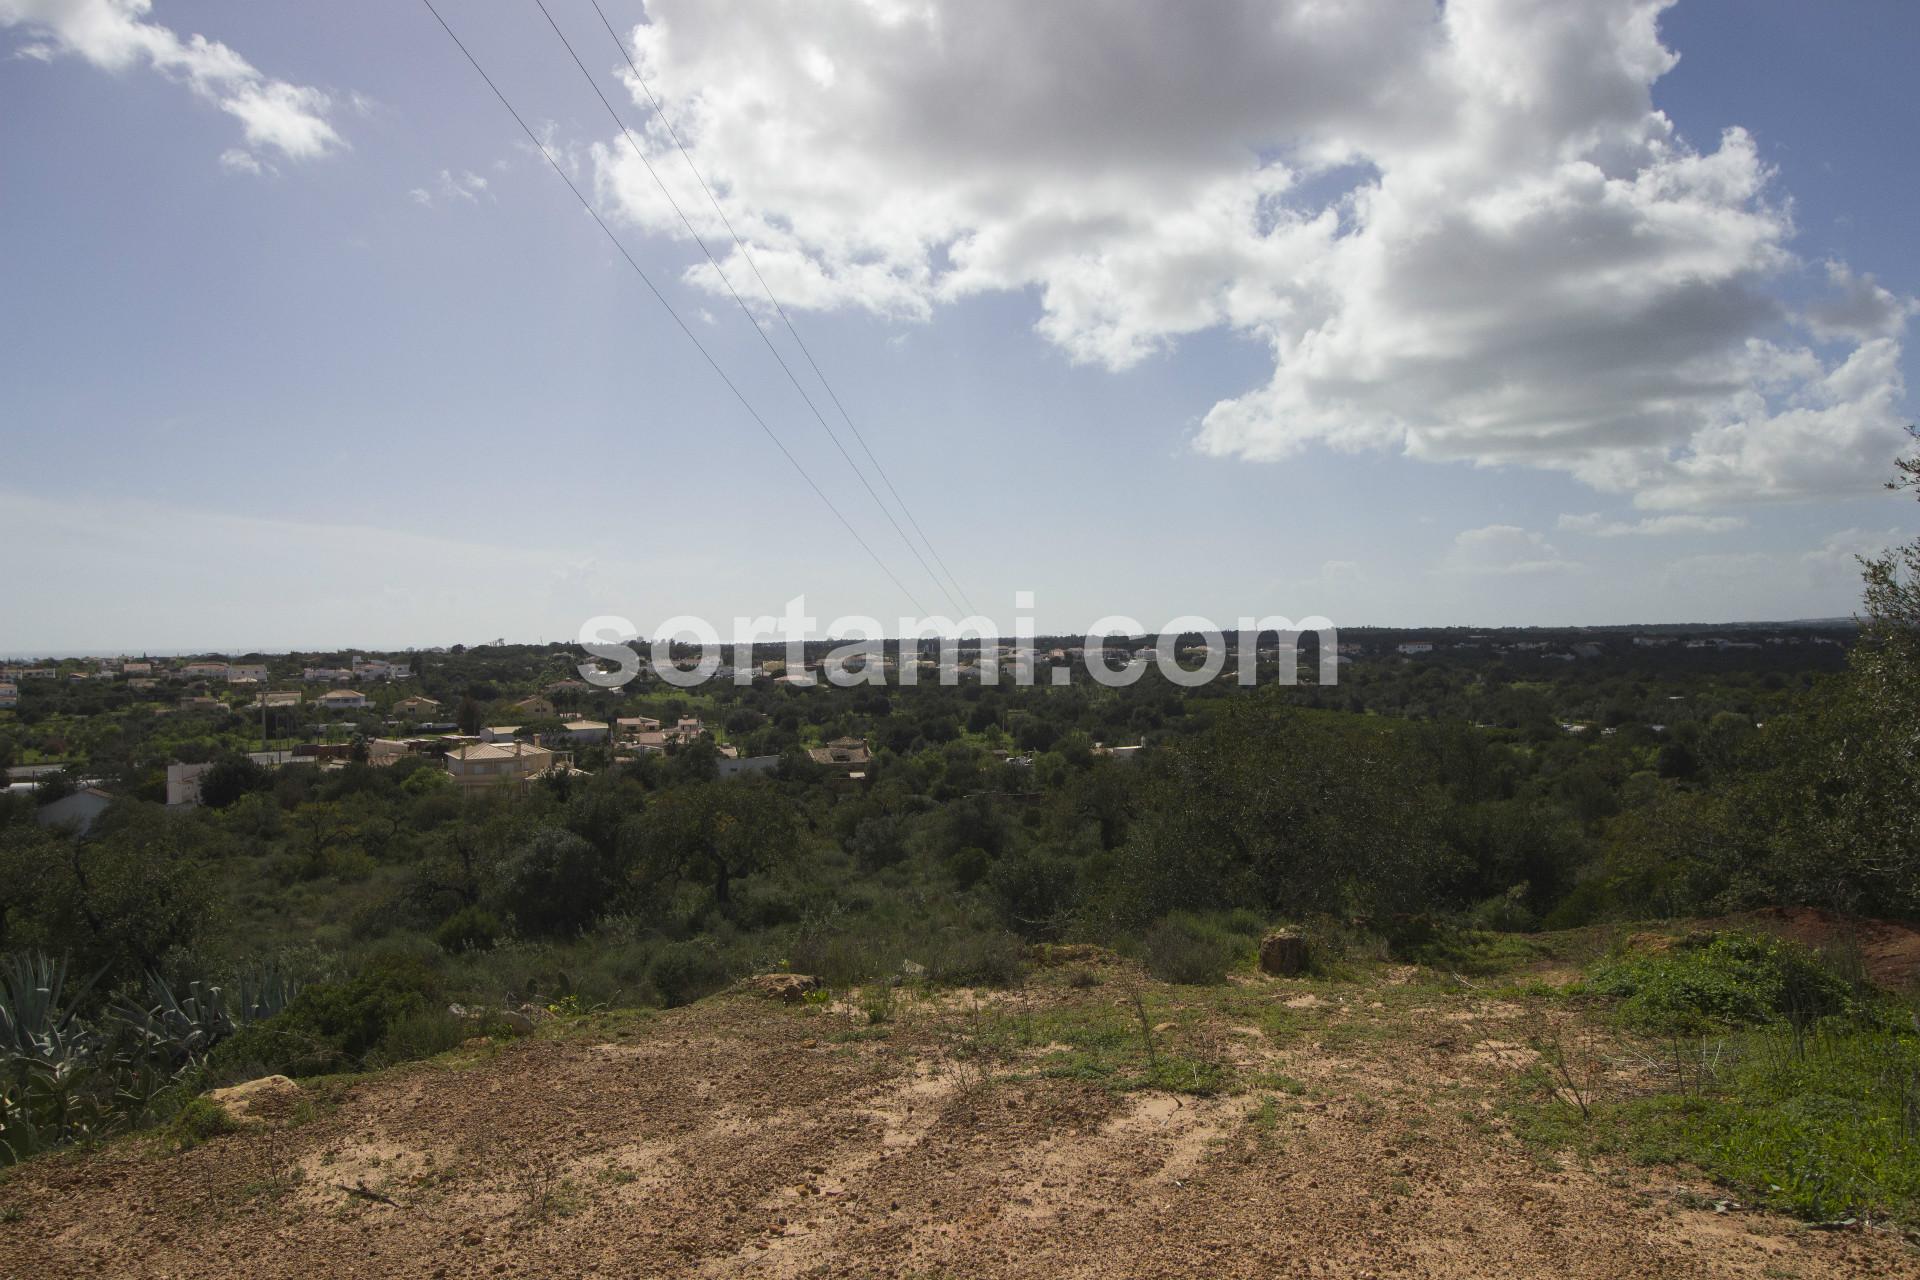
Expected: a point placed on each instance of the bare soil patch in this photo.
(1359, 1136)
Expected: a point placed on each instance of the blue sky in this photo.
(307, 347)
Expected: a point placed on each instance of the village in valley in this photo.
(332, 710)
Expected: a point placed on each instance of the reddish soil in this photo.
(1889, 952)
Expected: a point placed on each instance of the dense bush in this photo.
(1186, 948)
(373, 1017)
(556, 883)
(469, 929)
(1728, 979)
(685, 971)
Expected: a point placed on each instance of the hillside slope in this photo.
(1279, 1128)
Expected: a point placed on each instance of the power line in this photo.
(661, 299)
(781, 311)
(745, 310)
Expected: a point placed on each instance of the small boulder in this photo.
(1283, 952)
(789, 988)
(268, 1100)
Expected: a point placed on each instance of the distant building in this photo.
(203, 705)
(386, 751)
(534, 708)
(9, 696)
(499, 733)
(342, 700)
(183, 784)
(417, 707)
(584, 731)
(280, 698)
(747, 764)
(515, 764)
(136, 668)
(848, 755)
(240, 672)
(1412, 647)
(326, 675)
(204, 671)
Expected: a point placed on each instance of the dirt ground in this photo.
(1354, 1130)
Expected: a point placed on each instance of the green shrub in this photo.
(969, 866)
(1191, 950)
(332, 1026)
(685, 971)
(977, 959)
(1036, 890)
(196, 1122)
(274, 1047)
(1729, 979)
(421, 1034)
(555, 884)
(469, 929)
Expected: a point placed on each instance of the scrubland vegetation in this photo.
(316, 921)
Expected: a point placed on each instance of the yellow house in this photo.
(500, 764)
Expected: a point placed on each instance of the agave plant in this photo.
(50, 1082)
(37, 1011)
(64, 1079)
(259, 993)
(183, 1025)
(179, 1026)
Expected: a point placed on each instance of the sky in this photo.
(1496, 312)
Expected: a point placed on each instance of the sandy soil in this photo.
(743, 1137)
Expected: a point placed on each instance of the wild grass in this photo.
(1754, 1062)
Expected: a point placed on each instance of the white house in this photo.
(204, 671)
(1412, 647)
(183, 784)
(326, 675)
(341, 700)
(585, 731)
(240, 671)
(9, 696)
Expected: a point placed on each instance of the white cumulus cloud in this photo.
(1503, 549)
(114, 35)
(1650, 526)
(1463, 231)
